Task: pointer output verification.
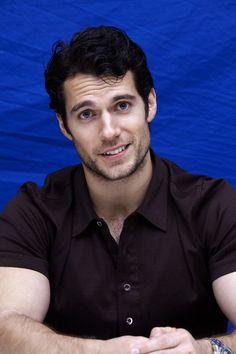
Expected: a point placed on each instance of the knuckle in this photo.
(183, 333)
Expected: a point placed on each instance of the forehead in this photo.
(83, 86)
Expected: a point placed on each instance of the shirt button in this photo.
(127, 287)
(99, 223)
(129, 321)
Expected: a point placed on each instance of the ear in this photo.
(152, 105)
(64, 131)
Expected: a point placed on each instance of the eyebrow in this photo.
(90, 103)
(81, 105)
(123, 97)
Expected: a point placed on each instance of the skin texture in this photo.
(105, 115)
(101, 117)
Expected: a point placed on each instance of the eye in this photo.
(85, 115)
(123, 106)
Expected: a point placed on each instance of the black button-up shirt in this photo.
(180, 239)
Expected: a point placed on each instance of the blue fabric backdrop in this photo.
(191, 51)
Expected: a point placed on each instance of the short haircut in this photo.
(103, 51)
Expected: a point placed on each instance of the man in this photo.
(126, 253)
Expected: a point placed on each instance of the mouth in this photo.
(116, 152)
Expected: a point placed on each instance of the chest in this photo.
(149, 279)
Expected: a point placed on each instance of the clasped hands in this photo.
(162, 340)
(170, 340)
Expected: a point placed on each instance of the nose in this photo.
(109, 128)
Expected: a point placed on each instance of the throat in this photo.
(115, 228)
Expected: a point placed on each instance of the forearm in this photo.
(204, 346)
(20, 334)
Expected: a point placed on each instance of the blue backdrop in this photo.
(191, 51)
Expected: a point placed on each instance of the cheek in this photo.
(85, 141)
(142, 126)
(78, 134)
(144, 132)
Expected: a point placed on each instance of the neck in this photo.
(118, 199)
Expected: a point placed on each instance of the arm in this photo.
(225, 293)
(172, 340)
(24, 301)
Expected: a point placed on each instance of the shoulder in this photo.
(208, 202)
(49, 200)
(206, 208)
(30, 223)
(55, 184)
(204, 188)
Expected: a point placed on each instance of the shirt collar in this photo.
(83, 213)
(153, 207)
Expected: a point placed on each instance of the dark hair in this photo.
(102, 51)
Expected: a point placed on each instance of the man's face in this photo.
(108, 124)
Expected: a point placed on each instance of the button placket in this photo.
(128, 282)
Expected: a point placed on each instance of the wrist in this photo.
(205, 346)
(77, 345)
(218, 347)
(93, 346)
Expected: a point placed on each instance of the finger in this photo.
(157, 331)
(164, 341)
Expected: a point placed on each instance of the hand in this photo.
(167, 340)
(120, 345)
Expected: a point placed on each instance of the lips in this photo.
(115, 151)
